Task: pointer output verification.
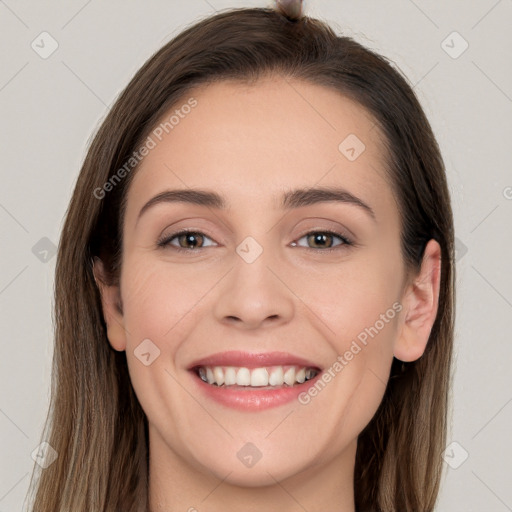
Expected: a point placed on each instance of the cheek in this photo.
(365, 329)
(161, 303)
(357, 296)
(360, 309)
(159, 307)
(159, 299)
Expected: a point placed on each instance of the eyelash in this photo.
(164, 241)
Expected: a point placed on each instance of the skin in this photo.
(250, 143)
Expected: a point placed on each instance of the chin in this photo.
(254, 472)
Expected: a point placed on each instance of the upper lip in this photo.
(253, 360)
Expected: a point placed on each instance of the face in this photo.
(282, 285)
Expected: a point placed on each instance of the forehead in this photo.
(261, 139)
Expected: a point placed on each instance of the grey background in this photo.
(50, 108)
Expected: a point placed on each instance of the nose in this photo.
(254, 295)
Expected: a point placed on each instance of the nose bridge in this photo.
(252, 293)
(253, 263)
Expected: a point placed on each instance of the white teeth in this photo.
(276, 377)
(243, 377)
(219, 375)
(300, 376)
(230, 376)
(289, 376)
(255, 377)
(259, 377)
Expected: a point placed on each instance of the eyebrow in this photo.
(291, 199)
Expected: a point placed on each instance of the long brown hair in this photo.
(95, 421)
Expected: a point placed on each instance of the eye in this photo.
(190, 240)
(187, 240)
(323, 240)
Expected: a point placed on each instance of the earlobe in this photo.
(112, 308)
(420, 301)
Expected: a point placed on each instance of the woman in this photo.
(255, 284)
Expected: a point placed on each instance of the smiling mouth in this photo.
(263, 377)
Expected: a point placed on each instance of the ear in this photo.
(420, 302)
(112, 307)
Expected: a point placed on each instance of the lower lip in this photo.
(247, 398)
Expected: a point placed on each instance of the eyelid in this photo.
(346, 241)
(164, 240)
(327, 224)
